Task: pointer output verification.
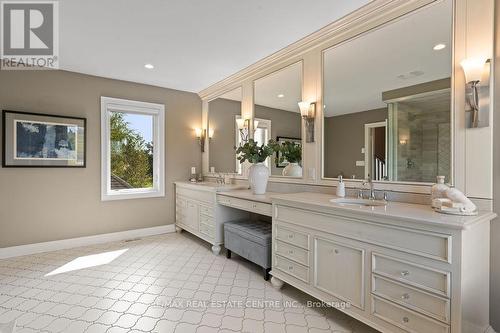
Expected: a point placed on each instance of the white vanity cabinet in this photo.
(197, 211)
(400, 268)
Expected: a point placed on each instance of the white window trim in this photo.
(108, 105)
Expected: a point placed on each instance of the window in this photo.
(132, 149)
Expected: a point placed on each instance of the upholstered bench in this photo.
(250, 240)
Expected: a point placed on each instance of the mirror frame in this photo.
(206, 125)
(301, 62)
(355, 182)
(468, 41)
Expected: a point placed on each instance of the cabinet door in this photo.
(339, 270)
(192, 215)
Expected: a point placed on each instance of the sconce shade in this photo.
(307, 109)
(210, 133)
(240, 122)
(197, 132)
(255, 124)
(473, 68)
(304, 108)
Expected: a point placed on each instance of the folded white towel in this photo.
(457, 197)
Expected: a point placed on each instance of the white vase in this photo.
(292, 170)
(258, 177)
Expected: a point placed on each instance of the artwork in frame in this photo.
(43, 140)
(280, 140)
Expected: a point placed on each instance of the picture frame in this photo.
(280, 140)
(40, 140)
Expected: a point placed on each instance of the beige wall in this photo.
(344, 139)
(39, 204)
(495, 226)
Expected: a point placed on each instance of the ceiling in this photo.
(281, 90)
(192, 44)
(397, 55)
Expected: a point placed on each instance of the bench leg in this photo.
(228, 254)
(265, 272)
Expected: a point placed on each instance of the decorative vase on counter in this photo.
(258, 177)
(292, 170)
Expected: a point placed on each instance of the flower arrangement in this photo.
(253, 153)
(290, 152)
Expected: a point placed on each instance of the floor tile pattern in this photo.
(166, 283)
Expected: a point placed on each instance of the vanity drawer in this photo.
(207, 230)
(204, 219)
(292, 268)
(205, 210)
(428, 304)
(427, 244)
(406, 319)
(204, 196)
(293, 237)
(292, 252)
(248, 205)
(412, 274)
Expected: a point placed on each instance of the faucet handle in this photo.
(385, 196)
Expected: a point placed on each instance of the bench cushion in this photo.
(255, 231)
(250, 240)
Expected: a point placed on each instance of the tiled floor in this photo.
(168, 283)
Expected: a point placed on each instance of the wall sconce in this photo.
(474, 69)
(308, 113)
(201, 135)
(243, 127)
(210, 133)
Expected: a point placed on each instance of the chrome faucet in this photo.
(220, 179)
(368, 181)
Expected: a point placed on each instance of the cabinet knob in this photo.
(405, 297)
(336, 251)
(290, 251)
(405, 273)
(290, 236)
(406, 319)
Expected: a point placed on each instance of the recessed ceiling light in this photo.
(281, 96)
(438, 47)
(149, 66)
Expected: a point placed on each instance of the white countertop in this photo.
(248, 195)
(422, 214)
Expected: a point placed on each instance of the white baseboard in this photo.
(22, 250)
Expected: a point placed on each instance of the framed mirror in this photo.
(277, 115)
(387, 101)
(223, 134)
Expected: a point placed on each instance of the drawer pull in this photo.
(290, 251)
(290, 268)
(336, 251)
(405, 273)
(406, 320)
(290, 236)
(405, 297)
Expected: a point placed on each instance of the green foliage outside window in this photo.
(131, 155)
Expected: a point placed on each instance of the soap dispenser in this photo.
(341, 187)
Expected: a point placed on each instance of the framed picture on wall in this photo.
(43, 140)
(280, 140)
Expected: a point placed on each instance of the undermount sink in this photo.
(221, 187)
(359, 202)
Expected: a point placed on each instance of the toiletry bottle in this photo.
(341, 187)
(439, 189)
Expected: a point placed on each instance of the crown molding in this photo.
(377, 11)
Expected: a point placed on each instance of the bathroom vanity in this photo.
(400, 267)
(197, 211)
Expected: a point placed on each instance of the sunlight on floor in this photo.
(88, 261)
